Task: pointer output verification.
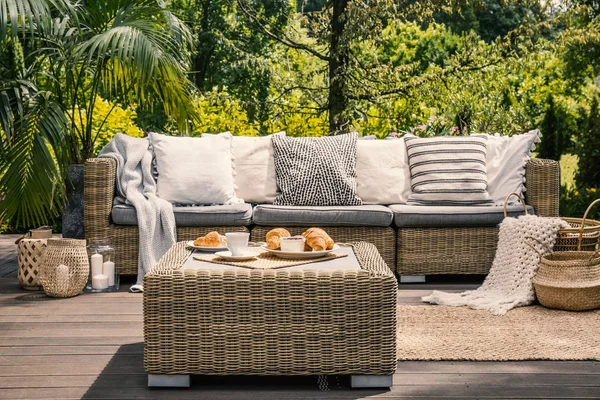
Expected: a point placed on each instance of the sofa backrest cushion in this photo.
(316, 171)
(255, 168)
(447, 170)
(195, 170)
(507, 158)
(382, 172)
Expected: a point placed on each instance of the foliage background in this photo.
(466, 66)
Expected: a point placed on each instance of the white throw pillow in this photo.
(506, 159)
(195, 170)
(382, 172)
(255, 168)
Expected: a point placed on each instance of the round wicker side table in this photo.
(30, 255)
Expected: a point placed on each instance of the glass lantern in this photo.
(104, 273)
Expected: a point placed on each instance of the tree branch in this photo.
(281, 39)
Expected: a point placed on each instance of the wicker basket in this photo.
(64, 267)
(569, 280)
(583, 235)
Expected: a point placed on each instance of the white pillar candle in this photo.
(99, 282)
(108, 269)
(96, 264)
(62, 275)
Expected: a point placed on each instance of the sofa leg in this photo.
(412, 279)
(164, 380)
(371, 381)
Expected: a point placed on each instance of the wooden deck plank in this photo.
(68, 350)
(57, 318)
(69, 341)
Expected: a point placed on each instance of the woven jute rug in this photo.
(526, 333)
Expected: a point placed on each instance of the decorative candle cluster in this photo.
(103, 272)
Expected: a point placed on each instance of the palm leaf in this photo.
(140, 55)
(30, 172)
(25, 15)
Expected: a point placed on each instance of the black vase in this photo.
(72, 219)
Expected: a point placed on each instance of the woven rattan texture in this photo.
(265, 260)
(569, 280)
(430, 251)
(568, 239)
(543, 186)
(30, 255)
(383, 238)
(64, 252)
(270, 322)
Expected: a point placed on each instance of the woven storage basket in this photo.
(58, 280)
(569, 280)
(583, 235)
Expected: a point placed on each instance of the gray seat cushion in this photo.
(225, 215)
(409, 216)
(371, 215)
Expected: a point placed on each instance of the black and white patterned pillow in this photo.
(448, 170)
(316, 171)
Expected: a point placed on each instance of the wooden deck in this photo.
(90, 347)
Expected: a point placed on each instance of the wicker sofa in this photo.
(426, 245)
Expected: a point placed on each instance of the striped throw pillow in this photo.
(448, 170)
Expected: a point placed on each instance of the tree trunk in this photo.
(338, 61)
(204, 54)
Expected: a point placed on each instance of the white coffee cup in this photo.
(237, 242)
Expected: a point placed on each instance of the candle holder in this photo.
(104, 273)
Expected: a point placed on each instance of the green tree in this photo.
(588, 146)
(228, 54)
(490, 19)
(129, 51)
(552, 128)
(351, 49)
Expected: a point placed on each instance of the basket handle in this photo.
(583, 223)
(520, 198)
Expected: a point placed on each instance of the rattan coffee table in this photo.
(303, 320)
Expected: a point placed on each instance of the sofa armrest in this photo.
(99, 191)
(543, 186)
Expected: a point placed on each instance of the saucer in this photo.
(205, 248)
(226, 255)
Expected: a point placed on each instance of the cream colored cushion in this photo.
(195, 170)
(382, 171)
(255, 168)
(506, 160)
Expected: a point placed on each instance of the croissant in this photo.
(273, 237)
(212, 239)
(318, 240)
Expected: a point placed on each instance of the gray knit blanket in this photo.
(521, 243)
(136, 186)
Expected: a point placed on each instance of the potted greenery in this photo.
(60, 59)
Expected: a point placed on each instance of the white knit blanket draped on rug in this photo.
(136, 186)
(521, 243)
